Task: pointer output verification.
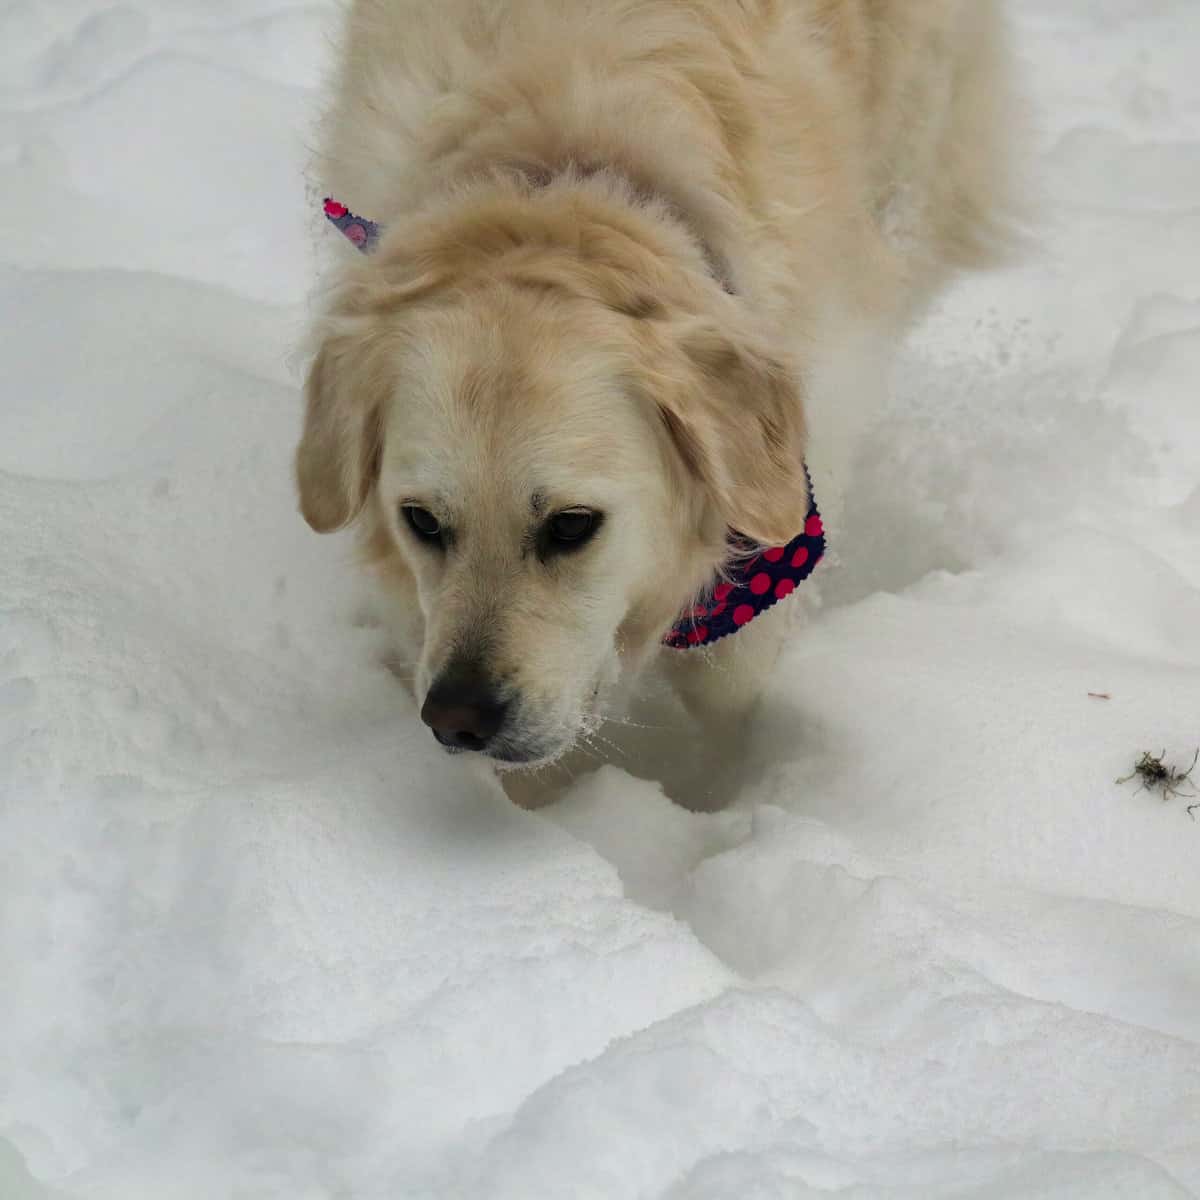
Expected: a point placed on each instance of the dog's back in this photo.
(905, 103)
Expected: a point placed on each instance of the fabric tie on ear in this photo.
(361, 232)
(757, 576)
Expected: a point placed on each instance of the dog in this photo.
(624, 256)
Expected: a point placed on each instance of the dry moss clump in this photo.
(1157, 774)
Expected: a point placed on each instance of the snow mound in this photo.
(258, 937)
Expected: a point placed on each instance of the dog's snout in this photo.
(464, 709)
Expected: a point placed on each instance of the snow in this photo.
(260, 938)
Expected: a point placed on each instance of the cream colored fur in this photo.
(643, 256)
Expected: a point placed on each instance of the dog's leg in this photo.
(720, 688)
(537, 788)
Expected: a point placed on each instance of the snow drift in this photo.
(258, 937)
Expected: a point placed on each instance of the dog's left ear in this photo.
(738, 424)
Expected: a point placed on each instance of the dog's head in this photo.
(552, 417)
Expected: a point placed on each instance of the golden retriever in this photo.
(626, 244)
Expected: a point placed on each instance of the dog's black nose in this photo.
(463, 709)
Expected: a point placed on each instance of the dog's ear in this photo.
(337, 461)
(737, 421)
(350, 382)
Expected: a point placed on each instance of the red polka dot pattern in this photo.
(361, 232)
(754, 578)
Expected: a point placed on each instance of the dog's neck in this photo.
(538, 176)
(619, 186)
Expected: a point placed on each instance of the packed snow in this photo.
(260, 938)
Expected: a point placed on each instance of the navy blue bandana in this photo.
(757, 576)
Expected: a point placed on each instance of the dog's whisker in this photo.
(584, 748)
(630, 724)
(613, 746)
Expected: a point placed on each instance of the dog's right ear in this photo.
(350, 383)
(337, 461)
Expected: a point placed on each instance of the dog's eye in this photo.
(422, 522)
(569, 529)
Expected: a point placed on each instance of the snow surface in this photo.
(259, 938)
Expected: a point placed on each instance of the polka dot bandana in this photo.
(363, 233)
(757, 578)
